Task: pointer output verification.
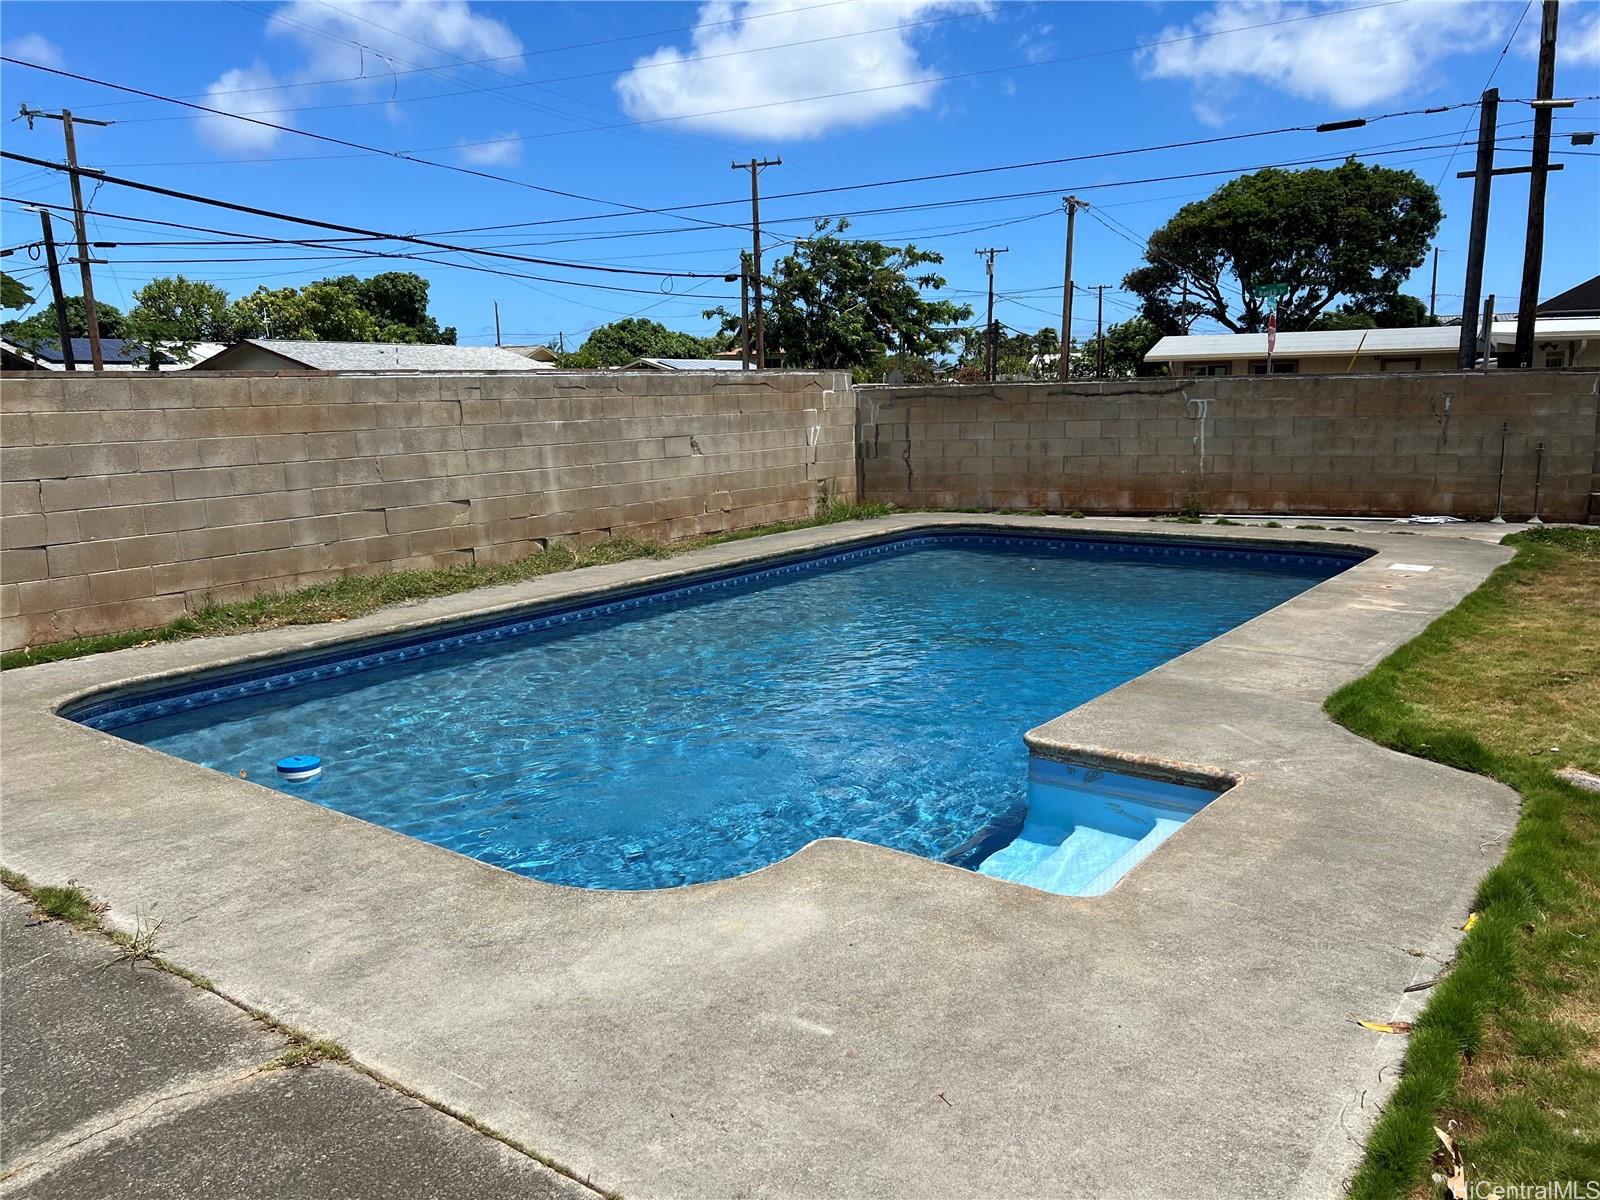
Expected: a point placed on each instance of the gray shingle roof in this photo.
(393, 356)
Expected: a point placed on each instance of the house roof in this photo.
(48, 354)
(537, 354)
(377, 356)
(1343, 343)
(1580, 301)
(684, 364)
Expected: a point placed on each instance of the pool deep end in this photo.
(702, 728)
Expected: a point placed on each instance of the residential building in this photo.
(1558, 342)
(116, 354)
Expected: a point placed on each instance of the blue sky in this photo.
(645, 104)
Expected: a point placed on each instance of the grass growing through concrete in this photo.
(1506, 685)
(356, 595)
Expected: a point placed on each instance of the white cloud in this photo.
(35, 49)
(249, 91)
(497, 150)
(1578, 35)
(1350, 60)
(393, 36)
(760, 94)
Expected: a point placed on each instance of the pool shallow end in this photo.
(1086, 828)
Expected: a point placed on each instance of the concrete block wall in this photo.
(127, 501)
(1392, 444)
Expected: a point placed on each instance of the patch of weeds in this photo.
(309, 1054)
(140, 945)
(1341, 529)
(15, 880)
(68, 903)
(1272, 525)
(1075, 515)
(1224, 521)
(1310, 526)
(1190, 510)
(1188, 520)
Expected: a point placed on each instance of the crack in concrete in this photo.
(131, 1117)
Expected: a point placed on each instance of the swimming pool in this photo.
(703, 728)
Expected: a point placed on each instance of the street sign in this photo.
(1269, 291)
(1272, 332)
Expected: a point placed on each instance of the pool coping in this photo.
(141, 829)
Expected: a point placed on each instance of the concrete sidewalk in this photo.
(129, 1083)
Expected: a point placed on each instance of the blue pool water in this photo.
(695, 734)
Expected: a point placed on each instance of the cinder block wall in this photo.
(1371, 444)
(128, 500)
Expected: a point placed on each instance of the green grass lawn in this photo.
(1508, 1048)
(356, 595)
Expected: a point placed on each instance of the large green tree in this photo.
(13, 292)
(1354, 232)
(837, 302)
(1126, 344)
(171, 315)
(41, 326)
(621, 342)
(389, 307)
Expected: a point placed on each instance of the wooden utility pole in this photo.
(75, 175)
(63, 326)
(1100, 332)
(754, 167)
(1482, 179)
(1533, 249)
(988, 328)
(1433, 288)
(744, 312)
(1064, 367)
(497, 322)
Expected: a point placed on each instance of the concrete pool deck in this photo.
(851, 1020)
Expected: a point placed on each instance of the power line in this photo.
(337, 141)
(369, 233)
(354, 250)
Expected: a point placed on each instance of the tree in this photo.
(13, 293)
(389, 307)
(1127, 342)
(41, 326)
(170, 315)
(1393, 312)
(835, 302)
(1355, 231)
(319, 312)
(621, 342)
(398, 302)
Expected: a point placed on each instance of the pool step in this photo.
(1084, 861)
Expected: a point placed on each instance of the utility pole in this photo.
(1100, 332)
(497, 322)
(63, 328)
(89, 315)
(988, 328)
(1482, 177)
(754, 167)
(744, 311)
(1533, 251)
(1433, 288)
(1064, 367)
(1488, 331)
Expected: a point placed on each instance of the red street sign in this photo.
(1272, 332)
